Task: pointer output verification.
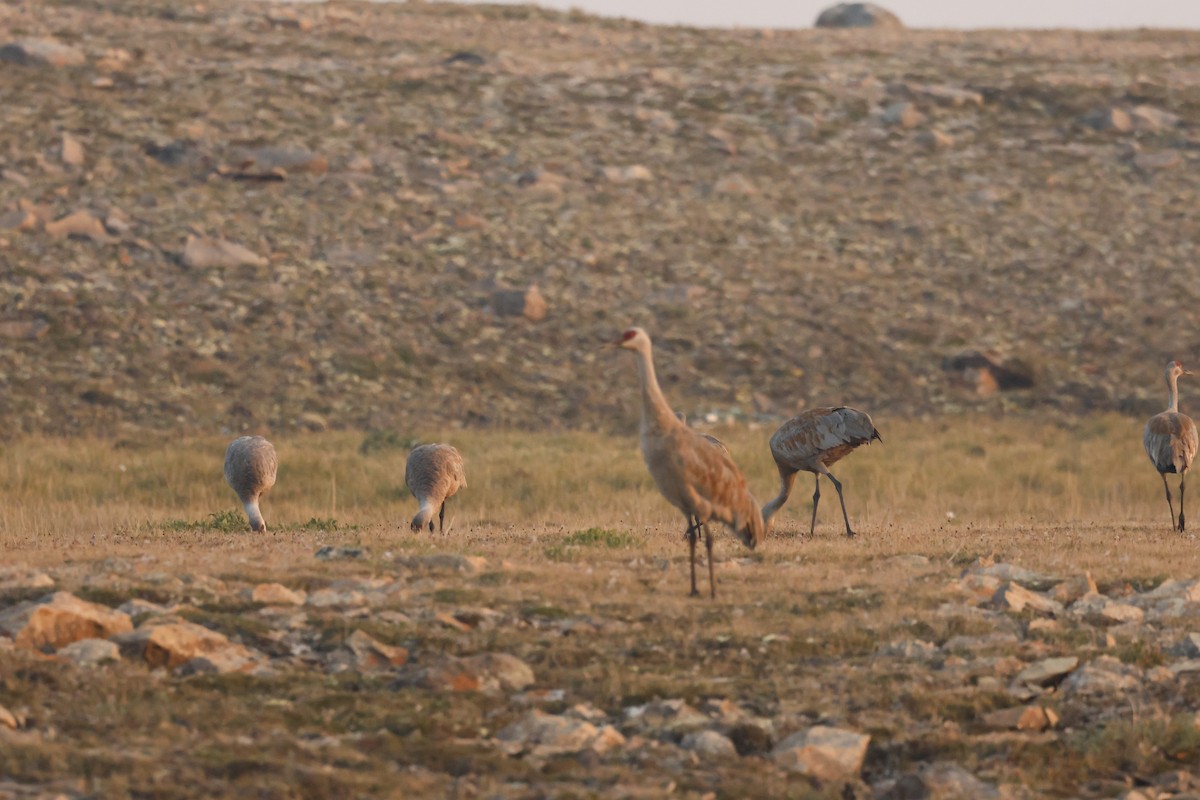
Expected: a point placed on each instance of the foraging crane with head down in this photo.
(810, 442)
(250, 466)
(433, 473)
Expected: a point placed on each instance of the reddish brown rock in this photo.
(79, 223)
(58, 619)
(171, 644)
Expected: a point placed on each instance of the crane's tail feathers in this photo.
(875, 435)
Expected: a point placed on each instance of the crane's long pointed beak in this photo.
(1187, 372)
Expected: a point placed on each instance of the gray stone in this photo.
(822, 752)
(1097, 609)
(1104, 675)
(945, 781)
(330, 553)
(673, 716)
(1048, 671)
(42, 53)
(1112, 120)
(709, 744)
(90, 652)
(857, 15)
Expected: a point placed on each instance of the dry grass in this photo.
(1013, 486)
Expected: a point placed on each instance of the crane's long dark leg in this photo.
(1170, 504)
(838, 485)
(693, 532)
(712, 581)
(812, 528)
(1182, 475)
(442, 517)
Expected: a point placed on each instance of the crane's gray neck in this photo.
(776, 503)
(1173, 389)
(655, 411)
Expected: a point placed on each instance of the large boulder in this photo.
(857, 15)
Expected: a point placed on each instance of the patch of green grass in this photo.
(457, 596)
(566, 549)
(228, 521)
(1140, 653)
(325, 525)
(545, 612)
(1138, 747)
(383, 441)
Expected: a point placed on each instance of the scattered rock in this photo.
(274, 163)
(78, 223)
(275, 594)
(1153, 162)
(330, 553)
(986, 375)
(946, 781)
(734, 184)
(42, 53)
(172, 644)
(1104, 675)
(1152, 120)
(335, 597)
(314, 422)
(71, 151)
(673, 717)
(58, 619)
(486, 672)
(28, 329)
(90, 652)
(857, 15)
(363, 653)
(631, 174)
(902, 115)
(1112, 120)
(528, 303)
(933, 139)
(444, 563)
(1096, 609)
(1048, 671)
(1074, 588)
(8, 719)
(825, 753)
(541, 735)
(750, 739)
(137, 607)
(203, 252)
(1015, 597)
(709, 744)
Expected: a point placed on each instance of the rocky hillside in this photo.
(242, 215)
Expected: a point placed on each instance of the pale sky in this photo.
(914, 13)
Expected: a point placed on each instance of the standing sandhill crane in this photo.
(250, 464)
(811, 442)
(712, 440)
(434, 472)
(1170, 439)
(696, 477)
